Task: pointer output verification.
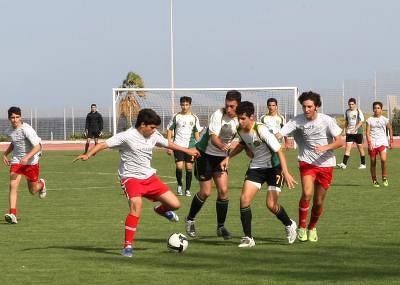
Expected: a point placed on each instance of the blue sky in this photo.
(72, 53)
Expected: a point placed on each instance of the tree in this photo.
(396, 122)
(128, 105)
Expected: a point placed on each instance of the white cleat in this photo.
(291, 232)
(190, 229)
(342, 165)
(43, 192)
(10, 218)
(179, 191)
(362, 166)
(187, 193)
(247, 242)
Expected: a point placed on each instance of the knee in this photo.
(271, 205)
(244, 201)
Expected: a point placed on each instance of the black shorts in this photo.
(93, 134)
(356, 138)
(206, 165)
(272, 176)
(181, 156)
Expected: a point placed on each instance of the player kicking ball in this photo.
(267, 165)
(137, 177)
(26, 149)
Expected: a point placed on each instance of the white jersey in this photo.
(184, 127)
(23, 140)
(273, 123)
(263, 144)
(136, 152)
(353, 117)
(222, 126)
(308, 134)
(378, 131)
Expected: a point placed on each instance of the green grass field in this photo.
(74, 236)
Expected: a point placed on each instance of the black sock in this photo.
(363, 160)
(345, 159)
(246, 217)
(178, 174)
(86, 147)
(222, 209)
(283, 217)
(195, 207)
(188, 179)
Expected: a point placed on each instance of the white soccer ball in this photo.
(177, 242)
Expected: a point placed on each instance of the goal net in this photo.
(165, 101)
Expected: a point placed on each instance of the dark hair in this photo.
(272, 100)
(93, 105)
(148, 117)
(184, 99)
(245, 107)
(14, 110)
(352, 100)
(233, 95)
(377, 103)
(315, 97)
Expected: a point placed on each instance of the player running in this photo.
(137, 177)
(26, 150)
(377, 129)
(316, 135)
(183, 130)
(268, 164)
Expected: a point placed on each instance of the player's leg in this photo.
(316, 211)
(87, 142)
(361, 151)
(15, 180)
(347, 152)
(179, 158)
(372, 167)
(188, 171)
(131, 224)
(222, 203)
(383, 156)
(307, 182)
(249, 191)
(35, 184)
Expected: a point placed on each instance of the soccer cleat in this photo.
(179, 191)
(190, 229)
(11, 218)
(362, 166)
(376, 184)
(127, 251)
(312, 235)
(385, 182)
(247, 242)
(169, 215)
(302, 234)
(43, 191)
(291, 232)
(187, 193)
(223, 232)
(342, 165)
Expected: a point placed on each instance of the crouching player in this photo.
(138, 178)
(26, 148)
(268, 164)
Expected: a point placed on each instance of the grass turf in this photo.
(75, 234)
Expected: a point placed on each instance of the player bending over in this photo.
(26, 149)
(137, 177)
(268, 164)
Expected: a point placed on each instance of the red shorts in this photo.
(31, 172)
(323, 175)
(373, 152)
(149, 188)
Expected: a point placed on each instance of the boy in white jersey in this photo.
(26, 148)
(316, 135)
(377, 128)
(138, 178)
(183, 130)
(354, 133)
(268, 164)
(273, 120)
(214, 146)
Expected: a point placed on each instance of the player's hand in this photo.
(83, 157)
(224, 164)
(24, 161)
(6, 162)
(319, 148)
(290, 181)
(193, 152)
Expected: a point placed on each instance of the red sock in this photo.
(131, 223)
(161, 209)
(13, 211)
(315, 214)
(303, 210)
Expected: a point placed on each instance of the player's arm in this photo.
(390, 130)
(338, 142)
(238, 149)
(37, 148)
(97, 148)
(6, 153)
(169, 138)
(215, 140)
(190, 151)
(286, 174)
(368, 135)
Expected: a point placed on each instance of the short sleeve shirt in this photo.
(353, 117)
(184, 127)
(378, 131)
(136, 152)
(23, 140)
(273, 123)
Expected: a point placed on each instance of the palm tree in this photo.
(128, 106)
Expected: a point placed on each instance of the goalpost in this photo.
(165, 101)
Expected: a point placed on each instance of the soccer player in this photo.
(377, 128)
(26, 149)
(354, 133)
(93, 127)
(214, 147)
(268, 164)
(138, 178)
(183, 130)
(273, 120)
(316, 135)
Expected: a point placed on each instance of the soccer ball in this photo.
(177, 242)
